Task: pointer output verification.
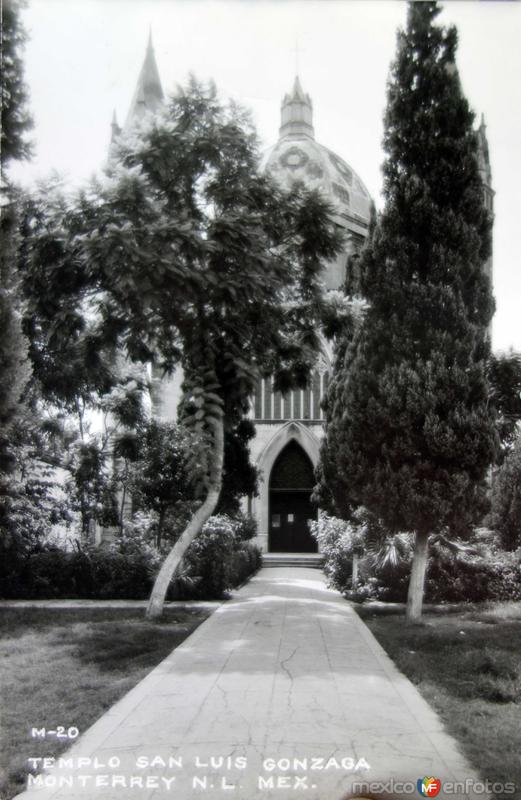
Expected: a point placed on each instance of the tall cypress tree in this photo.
(409, 431)
(14, 146)
(16, 117)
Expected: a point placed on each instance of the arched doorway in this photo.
(291, 483)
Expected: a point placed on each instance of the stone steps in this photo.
(309, 560)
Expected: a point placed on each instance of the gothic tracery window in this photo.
(302, 404)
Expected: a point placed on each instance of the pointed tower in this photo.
(148, 95)
(296, 113)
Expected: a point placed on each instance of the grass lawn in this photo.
(466, 662)
(67, 666)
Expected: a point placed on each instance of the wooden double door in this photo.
(290, 512)
(291, 484)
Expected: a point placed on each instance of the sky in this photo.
(83, 59)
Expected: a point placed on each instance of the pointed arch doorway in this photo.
(290, 507)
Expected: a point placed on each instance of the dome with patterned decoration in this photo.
(297, 156)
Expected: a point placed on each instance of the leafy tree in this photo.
(29, 502)
(159, 478)
(77, 373)
(14, 366)
(74, 362)
(410, 432)
(14, 375)
(195, 259)
(89, 451)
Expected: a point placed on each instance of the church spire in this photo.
(148, 95)
(296, 117)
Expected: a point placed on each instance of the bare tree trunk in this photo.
(123, 498)
(417, 579)
(173, 559)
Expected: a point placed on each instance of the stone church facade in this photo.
(288, 427)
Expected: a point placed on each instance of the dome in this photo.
(298, 157)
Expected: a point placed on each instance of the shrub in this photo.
(53, 573)
(12, 561)
(384, 561)
(90, 573)
(217, 561)
(389, 562)
(34, 505)
(121, 576)
(477, 571)
(137, 537)
(245, 527)
(336, 540)
(208, 559)
(246, 560)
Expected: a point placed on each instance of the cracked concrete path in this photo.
(283, 692)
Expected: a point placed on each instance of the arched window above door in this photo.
(292, 469)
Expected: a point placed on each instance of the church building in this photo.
(285, 449)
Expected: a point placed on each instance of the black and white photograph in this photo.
(260, 400)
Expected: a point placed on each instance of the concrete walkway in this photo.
(209, 605)
(283, 692)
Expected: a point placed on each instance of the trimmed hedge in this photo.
(216, 562)
(95, 574)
